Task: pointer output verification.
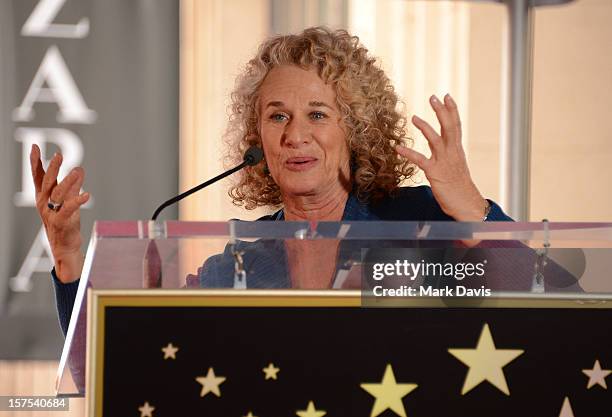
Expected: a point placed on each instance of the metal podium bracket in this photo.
(537, 286)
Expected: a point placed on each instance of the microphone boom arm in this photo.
(252, 157)
(196, 188)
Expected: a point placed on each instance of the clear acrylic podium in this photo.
(566, 264)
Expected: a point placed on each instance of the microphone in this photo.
(252, 156)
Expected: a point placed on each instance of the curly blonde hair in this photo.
(364, 95)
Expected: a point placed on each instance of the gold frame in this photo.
(98, 300)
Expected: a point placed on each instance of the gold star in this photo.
(597, 375)
(566, 409)
(389, 394)
(271, 371)
(146, 410)
(250, 415)
(485, 362)
(210, 383)
(170, 351)
(310, 411)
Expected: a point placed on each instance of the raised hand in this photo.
(58, 206)
(446, 169)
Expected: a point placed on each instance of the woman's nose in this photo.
(296, 133)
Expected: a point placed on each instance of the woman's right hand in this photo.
(62, 226)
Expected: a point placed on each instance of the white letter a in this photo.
(62, 90)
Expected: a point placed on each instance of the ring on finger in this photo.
(54, 206)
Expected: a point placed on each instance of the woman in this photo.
(335, 149)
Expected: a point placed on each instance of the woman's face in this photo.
(303, 136)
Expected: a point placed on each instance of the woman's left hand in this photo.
(446, 169)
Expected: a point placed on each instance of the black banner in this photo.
(351, 361)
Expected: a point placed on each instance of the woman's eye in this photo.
(317, 115)
(278, 117)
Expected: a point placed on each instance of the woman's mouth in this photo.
(301, 163)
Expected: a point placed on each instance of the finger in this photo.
(442, 113)
(38, 171)
(415, 157)
(453, 111)
(60, 192)
(435, 141)
(76, 187)
(50, 178)
(71, 205)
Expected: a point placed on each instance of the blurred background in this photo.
(136, 92)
